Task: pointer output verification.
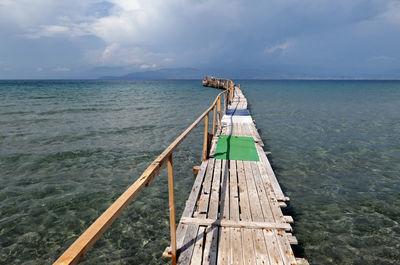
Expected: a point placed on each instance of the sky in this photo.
(267, 39)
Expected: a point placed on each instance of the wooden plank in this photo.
(272, 212)
(261, 252)
(249, 256)
(288, 219)
(262, 255)
(224, 206)
(236, 256)
(235, 224)
(301, 261)
(286, 250)
(197, 256)
(215, 188)
(211, 244)
(275, 249)
(224, 246)
(255, 205)
(187, 247)
(271, 175)
(247, 235)
(292, 239)
(253, 132)
(244, 199)
(274, 253)
(211, 240)
(234, 195)
(201, 212)
(224, 236)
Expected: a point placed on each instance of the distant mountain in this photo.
(165, 73)
(284, 72)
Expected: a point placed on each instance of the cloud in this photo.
(61, 69)
(392, 14)
(39, 69)
(147, 66)
(280, 47)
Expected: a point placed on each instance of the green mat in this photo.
(231, 147)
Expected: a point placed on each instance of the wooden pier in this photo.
(233, 213)
(221, 83)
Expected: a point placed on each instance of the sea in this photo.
(69, 148)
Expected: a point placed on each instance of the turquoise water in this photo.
(69, 148)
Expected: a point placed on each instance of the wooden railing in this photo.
(76, 251)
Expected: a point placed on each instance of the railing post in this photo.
(227, 100)
(205, 144)
(219, 110)
(172, 208)
(213, 128)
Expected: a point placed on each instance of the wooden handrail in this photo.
(81, 245)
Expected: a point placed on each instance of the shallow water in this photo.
(69, 148)
(336, 151)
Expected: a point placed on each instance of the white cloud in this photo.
(147, 66)
(168, 60)
(61, 69)
(39, 69)
(115, 55)
(283, 47)
(392, 13)
(127, 5)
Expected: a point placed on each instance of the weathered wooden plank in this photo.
(271, 238)
(286, 250)
(201, 212)
(224, 233)
(243, 195)
(224, 205)
(234, 195)
(211, 244)
(255, 205)
(215, 188)
(288, 219)
(224, 246)
(292, 239)
(274, 253)
(187, 247)
(249, 256)
(247, 235)
(210, 247)
(263, 254)
(236, 256)
(271, 209)
(271, 175)
(197, 256)
(235, 224)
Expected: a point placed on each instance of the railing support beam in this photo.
(213, 126)
(205, 143)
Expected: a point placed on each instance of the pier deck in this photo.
(233, 214)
